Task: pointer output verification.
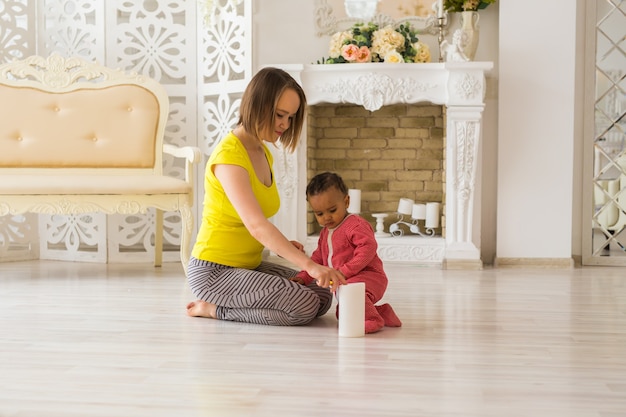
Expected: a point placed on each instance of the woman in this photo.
(226, 272)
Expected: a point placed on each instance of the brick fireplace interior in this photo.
(391, 153)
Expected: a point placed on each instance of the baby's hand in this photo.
(298, 245)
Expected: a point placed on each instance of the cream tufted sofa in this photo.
(77, 137)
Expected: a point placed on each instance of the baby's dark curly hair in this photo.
(324, 181)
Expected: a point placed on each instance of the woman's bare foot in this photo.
(201, 308)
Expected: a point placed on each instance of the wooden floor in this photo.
(82, 340)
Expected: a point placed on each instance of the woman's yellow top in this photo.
(223, 238)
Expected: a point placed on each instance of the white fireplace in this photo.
(460, 87)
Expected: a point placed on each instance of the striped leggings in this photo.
(263, 295)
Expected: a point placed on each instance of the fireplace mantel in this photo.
(378, 84)
(460, 87)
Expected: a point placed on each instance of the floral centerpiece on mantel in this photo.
(367, 42)
(466, 5)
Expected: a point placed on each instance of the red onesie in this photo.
(351, 248)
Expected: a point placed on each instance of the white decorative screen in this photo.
(203, 63)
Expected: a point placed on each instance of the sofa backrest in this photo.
(70, 113)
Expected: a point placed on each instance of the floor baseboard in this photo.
(542, 263)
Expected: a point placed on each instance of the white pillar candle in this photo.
(440, 8)
(405, 206)
(419, 211)
(355, 201)
(351, 301)
(432, 215)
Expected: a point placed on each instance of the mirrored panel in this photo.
(609, 164)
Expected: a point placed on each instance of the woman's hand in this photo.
(326, 277)
(298, 280)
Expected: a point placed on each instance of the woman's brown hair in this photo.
(258, 105)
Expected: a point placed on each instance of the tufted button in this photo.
(19, 138)
(95, 139)
(57, 109)
(129, 109)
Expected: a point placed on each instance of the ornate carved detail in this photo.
(468, 87)
(59, 72)
(186, 232)
(176, 132)
(225, 71)
(13, 229)
(152, 39)
(465, 161)
(65, 207)
(326, 22)
(225, 46)
(73, 231)
(14, 39)
(374, 90)
(285, 164)
(133, 231)
(68, 206)
(130, 207)
(453, 52)
(411, 253)
(71, 27)
(220, 115)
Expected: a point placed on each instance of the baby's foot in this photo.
(201, 308)
(387, 313)
(374, 324)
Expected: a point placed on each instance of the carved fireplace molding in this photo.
(460, 87)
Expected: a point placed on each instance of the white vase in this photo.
(469, 27)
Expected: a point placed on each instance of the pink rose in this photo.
(364, 54)
(350, 52)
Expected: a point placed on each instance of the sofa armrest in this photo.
(191, 154)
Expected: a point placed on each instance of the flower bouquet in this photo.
(466, 5)
(369, 43)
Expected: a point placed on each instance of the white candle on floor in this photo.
(351, 301)
(432, 215)
(355, 201)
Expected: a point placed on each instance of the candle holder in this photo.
(442, 22)
(413, 226)
(380, 225)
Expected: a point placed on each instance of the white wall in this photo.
(284, 33)
(536, 129)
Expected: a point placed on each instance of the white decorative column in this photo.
(460, 86)
(466, 92)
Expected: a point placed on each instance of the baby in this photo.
(347, 243)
